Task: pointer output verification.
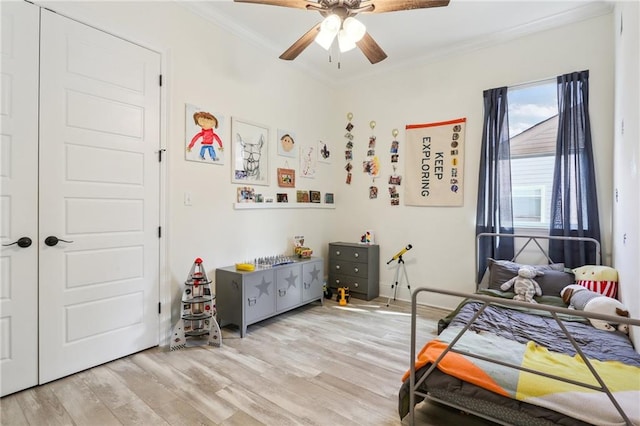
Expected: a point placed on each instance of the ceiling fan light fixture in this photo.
(345, 42)
(325, 32)
(325, 39)
(331, 23)
(328, 31)
(354, 29)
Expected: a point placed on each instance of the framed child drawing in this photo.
(287, 143)
(324, 153)
(203, 135)
(250, 152)
(308, 160)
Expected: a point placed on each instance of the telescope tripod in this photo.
(400, 270)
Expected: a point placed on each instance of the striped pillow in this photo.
(601, 279)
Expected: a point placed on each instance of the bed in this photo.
(517, 363)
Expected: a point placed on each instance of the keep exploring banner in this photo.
(434, 168)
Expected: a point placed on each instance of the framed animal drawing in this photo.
(250, 152)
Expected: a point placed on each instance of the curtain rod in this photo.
(532, 82)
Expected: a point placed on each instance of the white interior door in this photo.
(99, 191)
(19, 197)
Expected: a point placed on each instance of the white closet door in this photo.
(19, 197)
(99, 190)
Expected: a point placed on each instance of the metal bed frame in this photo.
(489, 300)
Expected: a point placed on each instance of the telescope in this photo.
(400, 253)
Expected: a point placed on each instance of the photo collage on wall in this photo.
(348, 153)
(395, 180)
(371, 165)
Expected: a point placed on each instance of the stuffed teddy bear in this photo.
(524, 285)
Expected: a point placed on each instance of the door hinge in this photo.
(159, 308)
(160, 80)
(160, 154)
(159, 231)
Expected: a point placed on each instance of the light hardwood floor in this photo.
(316, 365)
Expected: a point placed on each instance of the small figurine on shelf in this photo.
(367, 237)
(197, 324)
(299, 249)
(304, 252)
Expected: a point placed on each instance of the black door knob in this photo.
(23, 242)
(53, 240)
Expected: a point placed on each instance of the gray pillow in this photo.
(551, 283)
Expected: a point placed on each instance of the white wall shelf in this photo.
(257, 206)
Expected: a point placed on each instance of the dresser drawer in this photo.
(354, 269)
(348, 253)
(354, 284)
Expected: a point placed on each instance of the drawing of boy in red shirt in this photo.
(207, 122)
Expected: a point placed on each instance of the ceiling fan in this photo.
(339, 22)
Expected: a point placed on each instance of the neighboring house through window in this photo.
(533, 130)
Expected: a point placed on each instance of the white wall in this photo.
(443, 237)
(626, 230)
(208, 67)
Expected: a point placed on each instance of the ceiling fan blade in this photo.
(381, 6)
(371, 49)
(298, 4)
(301, 44)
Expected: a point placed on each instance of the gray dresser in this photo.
(246, 297)
(356, 266)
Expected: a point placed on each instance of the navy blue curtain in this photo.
(494, 212)
(574, 204)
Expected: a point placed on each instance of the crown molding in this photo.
(225, 22)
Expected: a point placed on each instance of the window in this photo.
(517, 161)
(533, 129)
(528, 203)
